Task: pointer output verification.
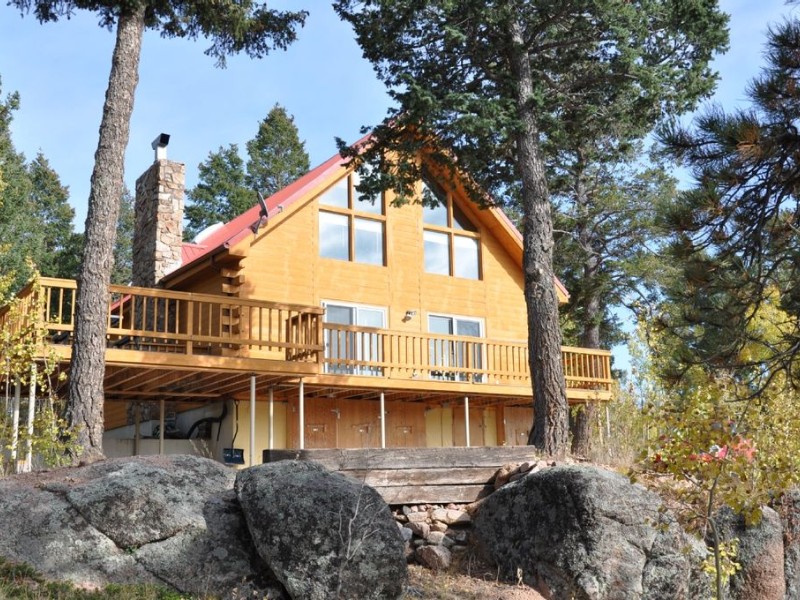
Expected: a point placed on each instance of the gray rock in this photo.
(406, 534)
(417, 517)
(137, 502)
(322, 534)
(761, 555)
(585, 533)
(439, 514)
(170, 520)
(459, 536)
(457, 516)
(420, 529)
(438, 526)
(790, 516)
(434, 557)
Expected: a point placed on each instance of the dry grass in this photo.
(467, 579)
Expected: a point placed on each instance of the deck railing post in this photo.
(383, 419)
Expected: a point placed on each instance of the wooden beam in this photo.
(408, 458)
(417, 477)
(433, 494)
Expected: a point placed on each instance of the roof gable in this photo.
(238, 229)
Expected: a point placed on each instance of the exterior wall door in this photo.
(453, 353)
(354, 345)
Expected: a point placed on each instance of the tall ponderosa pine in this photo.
(276, 157)
(232, 26)
(737, 228)
(480, 85)
(605, 252)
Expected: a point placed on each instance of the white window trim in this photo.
(480, 320)
(383, 309)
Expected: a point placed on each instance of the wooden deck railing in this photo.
(157, 320)
(186, 323)
(369, 351)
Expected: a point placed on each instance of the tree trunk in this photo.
(581, 422)
(550, 424)
(85, 406)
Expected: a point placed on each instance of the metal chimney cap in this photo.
(160, 145)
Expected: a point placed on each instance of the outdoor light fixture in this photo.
(410, 314)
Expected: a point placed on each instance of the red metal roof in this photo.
(233, 231)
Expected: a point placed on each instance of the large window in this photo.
(350, 228)
(457, 360)
(352, 338)
(452, 242)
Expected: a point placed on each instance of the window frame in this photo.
(356, 369)
(353, 213)
(457, 352)
(451, 231)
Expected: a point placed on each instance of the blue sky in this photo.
(61, 70)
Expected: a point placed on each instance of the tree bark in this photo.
(85, 405)
(591, 315)
(550, 424)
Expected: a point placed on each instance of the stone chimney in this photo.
(158, 210)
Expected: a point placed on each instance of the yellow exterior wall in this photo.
(283, 264)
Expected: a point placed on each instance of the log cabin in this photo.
(316, 320)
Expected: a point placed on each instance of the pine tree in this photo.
(123, 247)
(50, 202)
(19, 236)
(276, 155)
(736, 235)
(221, 193)
(232, 26)
(479, 86)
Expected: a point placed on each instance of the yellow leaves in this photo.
(727, 552)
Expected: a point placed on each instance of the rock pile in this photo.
(288, 530)
(434, 533)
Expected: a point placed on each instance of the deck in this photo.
(180, 347)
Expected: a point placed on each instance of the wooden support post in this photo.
(302, 418)
(271, 436)
(252, 419)
(466, 419)
(161, 423)
(383, 420)
(137, 419)
(28, 464)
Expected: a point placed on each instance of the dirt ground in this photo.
(465, 580)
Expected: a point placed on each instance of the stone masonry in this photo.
(158, 232)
